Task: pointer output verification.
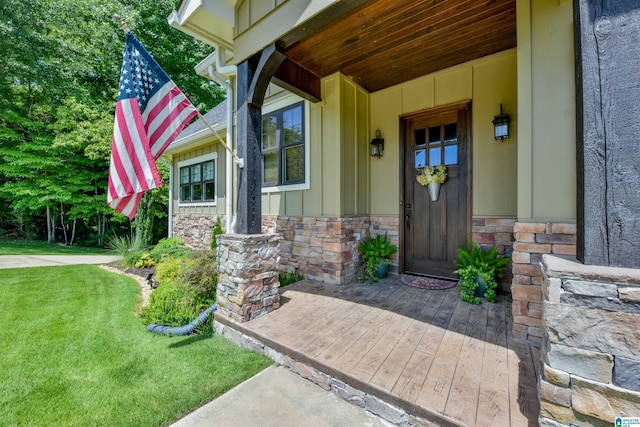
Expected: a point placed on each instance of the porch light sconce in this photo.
(377, 145)
(501, 126)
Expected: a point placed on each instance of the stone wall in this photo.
(247, 275)
(591, 344)
(532, 241)
(322, 248)
(195, 230)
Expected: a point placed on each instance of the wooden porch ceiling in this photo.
(381, 43)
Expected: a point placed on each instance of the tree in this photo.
(60, 70)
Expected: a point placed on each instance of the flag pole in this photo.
(121, 23)
(236, 159)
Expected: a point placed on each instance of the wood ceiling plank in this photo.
(404, 64)
(385, 42)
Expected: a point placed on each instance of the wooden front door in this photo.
(433, 231)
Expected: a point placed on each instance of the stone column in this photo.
(247, 275)
(591, 344)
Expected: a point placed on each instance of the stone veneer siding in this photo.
(247, 275)
(322, 248)
(591, 344)
(488, 232)
(195, 230)
(532, 241)
(326, 248)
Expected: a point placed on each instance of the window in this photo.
(283, 146)
(198, 181)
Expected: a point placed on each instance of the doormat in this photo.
(427, 282)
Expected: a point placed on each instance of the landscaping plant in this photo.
(170, 247)
(477, 267)
(288, 278)
(187, 286)
(217, 229)
(376, 250)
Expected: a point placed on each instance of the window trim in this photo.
(283, 104)
(195, 160)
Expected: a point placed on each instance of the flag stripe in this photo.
(172, 111)
(134, 166)
(169, 129)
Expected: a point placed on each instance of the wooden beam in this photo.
(253, 77)
(321, 21)
(607, 89)
(298, 80)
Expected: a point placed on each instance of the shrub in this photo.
(129, 248)
(170, 270)
(187, 286)
(217, 229)
(145, 261)
(202, 272)
(173, 304)
(289, 278)
(169, 247)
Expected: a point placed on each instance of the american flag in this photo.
(150, 112)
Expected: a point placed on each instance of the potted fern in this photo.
(479, 271)
(376, 252)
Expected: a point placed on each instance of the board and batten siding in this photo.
(219, 207)
(487, 82)
(546, 111)
(338, 136)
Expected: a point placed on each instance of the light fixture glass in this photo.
(501, 125)
(377, 145)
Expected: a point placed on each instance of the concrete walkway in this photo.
(19, 261)
(278, 397)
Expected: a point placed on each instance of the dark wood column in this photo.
(254, 75)
(607, 41)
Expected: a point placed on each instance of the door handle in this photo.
(407, 215)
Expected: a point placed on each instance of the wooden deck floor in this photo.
(424, 351)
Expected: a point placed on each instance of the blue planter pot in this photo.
(383, 269)
(482, 287)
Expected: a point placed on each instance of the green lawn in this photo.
(36, 247)
(72, 353)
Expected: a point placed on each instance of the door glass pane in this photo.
(434, 156)
(421, 136)
(208, 171)
(209, 191)
(434, 135)
(184, 175)
(294, 164)
(421, 158)
(451, 132)
(195, 173)
(270, 168)
(197, 192)
(451, 154)
(269, 132)
(292, 125)
(185, 193)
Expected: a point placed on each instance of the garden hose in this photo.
(186, 329)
